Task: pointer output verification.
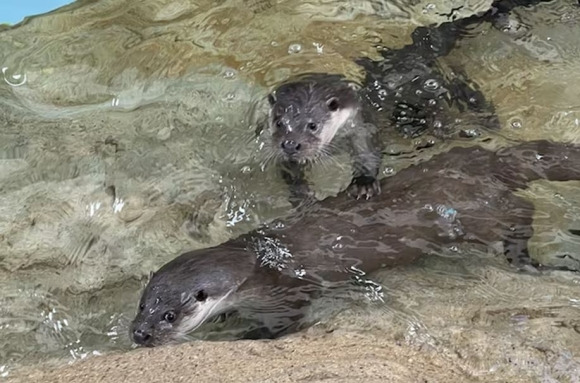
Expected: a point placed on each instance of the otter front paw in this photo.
(364, 186)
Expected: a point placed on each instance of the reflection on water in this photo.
(125, 140)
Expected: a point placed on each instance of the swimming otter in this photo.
(315, 114)
(269, 275)
(312, 116)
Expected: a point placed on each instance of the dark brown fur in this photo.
(464, 195)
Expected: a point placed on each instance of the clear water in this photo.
(126, 138)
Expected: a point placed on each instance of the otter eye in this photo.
(141, 307)
(311, 126)
(201, 296)
(169, 317)
(333, 104)
(279, 124)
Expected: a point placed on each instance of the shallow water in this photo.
(126, 138)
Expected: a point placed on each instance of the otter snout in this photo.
(142, 337)
(291, 147)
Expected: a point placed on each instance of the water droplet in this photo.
(428, 8)
(230, 96)
(388, 170)
(319, 48)
(454, 249)
(437, 124)
(516, 123)
(469, 133)
(431, 85)
(230, 74)
(294, 48)
(432, 102)
(12, 78)
(246, 169)
(448, 213)
(418, 92)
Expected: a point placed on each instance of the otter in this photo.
(269, 276)
(314, 115)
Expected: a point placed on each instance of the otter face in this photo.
(182, 296)
(307, 114)
(165, 316)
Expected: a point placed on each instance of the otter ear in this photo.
(271, 99)
(333, 104)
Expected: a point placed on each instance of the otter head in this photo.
(185, 293)
(307, 113)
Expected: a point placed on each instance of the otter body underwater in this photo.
(269, 275)
(314, 115)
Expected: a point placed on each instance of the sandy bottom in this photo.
(333, 357)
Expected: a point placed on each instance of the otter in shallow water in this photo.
(269, 275)
(314, 115)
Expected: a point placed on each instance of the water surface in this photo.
(125, 139)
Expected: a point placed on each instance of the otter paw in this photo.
(364, 186)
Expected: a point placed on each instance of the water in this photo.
(125, 139)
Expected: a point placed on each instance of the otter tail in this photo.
(535, 160)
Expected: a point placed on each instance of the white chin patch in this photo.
(203, 311)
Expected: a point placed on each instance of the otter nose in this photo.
(290, 146)
(142, 337)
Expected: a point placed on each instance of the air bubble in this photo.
(388, 170)
(13, 79)
(230, 74)
(431, 85)
(516, 124)
(294, 48)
